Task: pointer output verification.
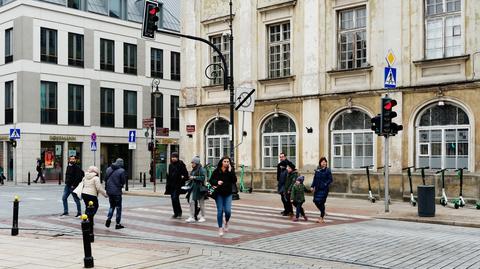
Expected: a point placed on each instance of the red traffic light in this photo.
(154, 11)
(390, 104)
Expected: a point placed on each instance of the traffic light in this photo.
(150, 19)
(13, 142)
(388, 127)
(376, 124)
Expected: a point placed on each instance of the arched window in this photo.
(443, 137)
(352, 140)
(217, 141)
(278, 135)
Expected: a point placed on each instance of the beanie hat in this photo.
(174, 155)
(301, 179)
(93, 169)
(291, 165)
(119, 162)
(196, 160)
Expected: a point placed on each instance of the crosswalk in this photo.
(248, 223)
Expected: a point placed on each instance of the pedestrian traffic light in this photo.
(13, 142)
(387, 127)
(150, 19)
(376, 124)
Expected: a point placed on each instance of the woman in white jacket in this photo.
(92, 187)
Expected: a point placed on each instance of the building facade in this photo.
(318, 70)
(72, 68)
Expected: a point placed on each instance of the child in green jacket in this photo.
(298, 197)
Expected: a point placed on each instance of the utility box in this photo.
(426, 200)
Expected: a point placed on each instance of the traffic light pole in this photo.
(387, 196)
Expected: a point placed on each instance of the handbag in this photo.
(78, 190)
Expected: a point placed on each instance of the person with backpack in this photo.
(176, 178)
(115, 178)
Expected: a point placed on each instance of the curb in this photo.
(433, 221)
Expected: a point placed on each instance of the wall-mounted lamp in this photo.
(276, 111)
(309, 130)
(217, 115)
(439, 94)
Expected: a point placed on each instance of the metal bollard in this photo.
(140, 177)
(161, 177)
(59, 178)
(144, 180)
(15, 216)
(126, 184)
(90, 211)
(28, 182)
(87, 245)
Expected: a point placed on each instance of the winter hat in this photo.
(174, 155)
(119, 162)
(301, 179)
(93, 169)
(291, 165)
(196, 160)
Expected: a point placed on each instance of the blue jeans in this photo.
(66, 192)
(115, 204)
(224, 204)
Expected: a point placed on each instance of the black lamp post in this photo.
(155, 93)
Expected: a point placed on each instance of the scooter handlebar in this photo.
(464, 168)
(406, 168)
(367, 166)
(425, 167)
(440, 171)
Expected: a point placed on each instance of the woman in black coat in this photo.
(222, 181)
(320, 187)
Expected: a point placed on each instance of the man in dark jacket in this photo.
(176, 177)
(115, 178)
(281, 166)
(73, 177)
(282, 188)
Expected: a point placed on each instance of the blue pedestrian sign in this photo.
(93, 146)
(14, 133)
(390, 77)
(132, 134)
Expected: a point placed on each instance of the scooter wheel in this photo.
(414, 204)
(456, 206)
(442, 202)
(373, 200)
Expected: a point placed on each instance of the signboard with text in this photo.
(163, 132)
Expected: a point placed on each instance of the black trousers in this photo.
(321, 206)
(299, 209)
(287, 205)
(177, 208)
(86, 199)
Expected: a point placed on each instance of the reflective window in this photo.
(217, 141)
(278, 135)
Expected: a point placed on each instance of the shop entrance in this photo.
(110, 152)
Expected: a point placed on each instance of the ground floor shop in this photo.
(439, 132)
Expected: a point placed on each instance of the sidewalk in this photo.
(402, 211)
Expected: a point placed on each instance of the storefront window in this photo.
(51, 154)
(75, 149)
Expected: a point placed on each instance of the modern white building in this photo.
(70, 68)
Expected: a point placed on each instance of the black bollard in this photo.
(87, 245)
(59, 178)
(140, 177)
(161, 177)
(28, 182)
(15, 216)
(126, 184)
(144, 180)
(90, 211)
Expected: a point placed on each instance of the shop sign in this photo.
(163, 132)
(58, 150)
(4, 137)
(166, 141)
(190, 128)
(62, 138)
(147, 123)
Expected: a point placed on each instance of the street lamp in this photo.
(155, 94)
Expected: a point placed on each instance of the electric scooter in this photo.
(478, 204)
(370, 195)
(413, 202)
(422, 169)
(242, 182)
(459, 202)
(443, 199)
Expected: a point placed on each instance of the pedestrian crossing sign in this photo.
(93, 146)
(390, 77)
(14, 133)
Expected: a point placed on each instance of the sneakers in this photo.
(190, 220)
(107, 223)
(78, 215)
(119, 226)
(64, 214)
(220, 232)
(225, 227)
(202, 219)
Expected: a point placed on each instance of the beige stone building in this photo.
(319, 66)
